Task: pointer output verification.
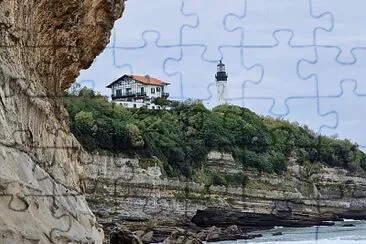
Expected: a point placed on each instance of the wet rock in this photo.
(202, 235)
(213, 237)
(214, 234)
(348, 225)
(148, 237)
(249, 237)
(124, 237)
(180, 236)
(278, 233)
(139, 233)
(233, 230)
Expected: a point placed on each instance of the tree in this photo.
(135, 135)
(84, 120)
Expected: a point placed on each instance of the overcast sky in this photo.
(301, 60)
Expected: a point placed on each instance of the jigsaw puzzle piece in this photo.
(259, 105)
(210, 30)
(306, 112)
(96, 76)
(189, 74)
(197, 76)
(303, 110)
(239, 72)
(141, 16)
(280, 77)
(348, 21)
(351, 117)
(262, 18)
(330, 73)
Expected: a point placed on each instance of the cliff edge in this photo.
(43, 45)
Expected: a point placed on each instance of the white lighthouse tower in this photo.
(221, 83)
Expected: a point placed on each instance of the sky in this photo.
(300, 60)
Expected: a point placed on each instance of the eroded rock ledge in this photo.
(43, 45)
(123, 190)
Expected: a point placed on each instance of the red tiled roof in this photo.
(147, 80)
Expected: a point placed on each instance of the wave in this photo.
(350, 220)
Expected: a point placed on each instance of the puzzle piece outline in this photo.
(311, 14)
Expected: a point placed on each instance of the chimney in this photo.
(147, 77)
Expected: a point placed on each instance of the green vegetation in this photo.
(226, 179)
(196, 198)
(181, 138)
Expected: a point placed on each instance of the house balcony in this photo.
(165, 95)
(130, 95)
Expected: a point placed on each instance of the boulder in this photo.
(180, 236)
(233, 230)
(214, 234)
(182, 240)
(278, 233)
(202, 235)
(147, 237)
(124, 237)
(139, 233)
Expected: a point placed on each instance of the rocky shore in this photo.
(177, 235)
(193, 234)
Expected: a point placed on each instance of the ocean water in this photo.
(337, 234)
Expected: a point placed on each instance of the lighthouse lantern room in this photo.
(221, 83)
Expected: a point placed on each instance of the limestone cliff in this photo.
(43, 45)
(122, 189)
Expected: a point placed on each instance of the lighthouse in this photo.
(221, 83)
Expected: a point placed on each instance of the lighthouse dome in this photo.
(221, 67)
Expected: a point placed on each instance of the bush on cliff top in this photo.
(182, 137)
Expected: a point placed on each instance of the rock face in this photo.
(224, 217)
(120, 189)
(43, 45)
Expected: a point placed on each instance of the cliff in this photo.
(123, 190)
(44, 44)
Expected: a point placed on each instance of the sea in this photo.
(336, 234)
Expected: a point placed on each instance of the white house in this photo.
(136, 91)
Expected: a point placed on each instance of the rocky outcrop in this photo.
(43, 45)
(225, 217)
(122, 189)
(124, 237)
(222, 162)
(232, 232)
(180, 236)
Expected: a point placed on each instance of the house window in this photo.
(157, 89)
(118, 93)
(152, 90)
(134, 105)
(142, 90)
(128, 91)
